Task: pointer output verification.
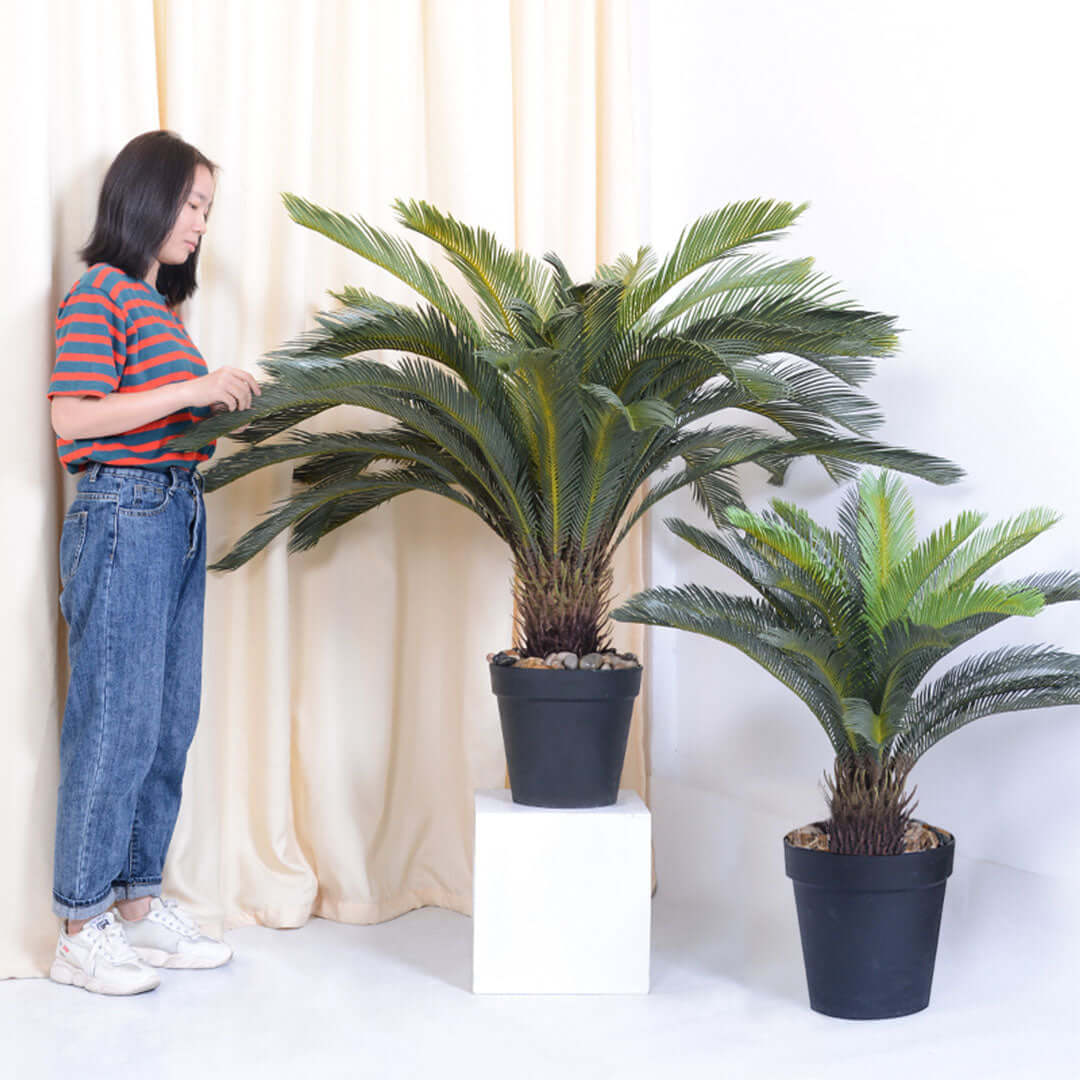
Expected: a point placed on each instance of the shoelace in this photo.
(113, 943)
(177, 919)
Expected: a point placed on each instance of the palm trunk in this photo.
(562, 604)
(870, 806)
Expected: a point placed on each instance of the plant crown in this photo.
(853, 619)
(546, 406)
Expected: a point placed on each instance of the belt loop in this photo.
(95, 468)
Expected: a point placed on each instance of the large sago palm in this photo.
(544, 406)
(853, 619)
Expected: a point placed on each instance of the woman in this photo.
(127, 381)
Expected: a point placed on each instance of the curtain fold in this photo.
(347, 716)
(76, 84)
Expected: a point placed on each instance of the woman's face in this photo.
(191, 224)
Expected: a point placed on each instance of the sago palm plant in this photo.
(853, 619)
(546, 410)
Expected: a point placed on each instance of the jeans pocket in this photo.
(72, 540)
(138, 498)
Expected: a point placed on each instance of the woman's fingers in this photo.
(242, 387)
(231, 388)
(239, 388)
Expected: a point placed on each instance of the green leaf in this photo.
(497, 275)
(744, 623)
(989, 548)
(1009, 679)
(386, 251)
(911, 575)
(640, 415)
(704, 241)
(866, 727)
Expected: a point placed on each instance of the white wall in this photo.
(935, 142)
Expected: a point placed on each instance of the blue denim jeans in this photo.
(133, 577)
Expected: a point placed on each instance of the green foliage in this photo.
(548, 412)
(853, 619)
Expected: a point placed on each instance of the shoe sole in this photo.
(67, 975)
(159, 958)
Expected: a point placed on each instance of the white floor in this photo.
(727, 1001)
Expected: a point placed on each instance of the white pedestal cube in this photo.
(561, 898)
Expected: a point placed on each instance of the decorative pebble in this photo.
(569, 661)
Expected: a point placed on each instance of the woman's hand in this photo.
(228, 388)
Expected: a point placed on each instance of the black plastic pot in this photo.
(869, 927)
(565, 733)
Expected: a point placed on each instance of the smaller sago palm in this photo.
(544, 406)
(853, 619)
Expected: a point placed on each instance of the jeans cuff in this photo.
(135, 890)
(83, 911)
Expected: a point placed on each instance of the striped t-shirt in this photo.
(115, 334)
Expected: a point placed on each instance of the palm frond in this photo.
(711, 237)
(915, 570)
(726, 548)
(822, 393)
(628, 271)
(360, 447)
(601, 499)
(423, 332)
(886, 532)
(729, 285)
(742, 622)
(816, 652)
(948, 606)
(389, 252)
(1010, 679)
(331, 506)
(810, 332)
(496, 274)
(548, 392)
(987, 549)
(867, 729)
(901, 656)
(799, 567)
(736, 452)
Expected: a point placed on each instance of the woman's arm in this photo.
(91, 417)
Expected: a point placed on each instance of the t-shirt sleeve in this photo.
(91, 345)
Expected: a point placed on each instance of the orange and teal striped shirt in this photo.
(115, 334)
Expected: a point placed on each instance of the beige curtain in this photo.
(346, 715)
(77, 81)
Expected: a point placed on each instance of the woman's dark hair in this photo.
(140, 200)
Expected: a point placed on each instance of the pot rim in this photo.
(871, 873)
(948, 839)
(564, 685)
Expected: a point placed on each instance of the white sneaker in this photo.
(169, 937)
(99, 959)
